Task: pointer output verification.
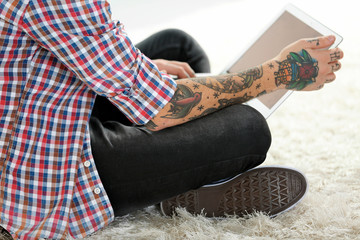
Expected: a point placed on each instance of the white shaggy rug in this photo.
(316, 132)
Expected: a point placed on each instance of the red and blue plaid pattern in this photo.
(55, 56)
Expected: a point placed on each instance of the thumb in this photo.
(321, 42)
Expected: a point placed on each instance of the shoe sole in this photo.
(271, 190)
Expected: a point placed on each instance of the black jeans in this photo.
(139, 168)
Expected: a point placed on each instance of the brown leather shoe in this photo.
(271, 190)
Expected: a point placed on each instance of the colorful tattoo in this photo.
(297, 71)
(234, 83)
(183, 101)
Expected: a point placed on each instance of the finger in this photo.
(335, 66)
(330, 78)
(329, 69)
(171, 67)
(320, 42)
(189, 70)
(335, 54)
(320, 86)
(178, 71)
(186, 67)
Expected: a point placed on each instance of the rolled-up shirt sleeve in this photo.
(82, 35)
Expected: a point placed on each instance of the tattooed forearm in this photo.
(198, 97)
(227, 102)
(235, 82)
(183, 101)
(297, 71)
(223, 103)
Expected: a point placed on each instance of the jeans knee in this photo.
(187, 48)
(177, 33)
(254, 127)
(262, 130)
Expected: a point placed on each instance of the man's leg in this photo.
(139, 168)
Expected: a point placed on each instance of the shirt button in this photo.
(87, 163)
(97, 190)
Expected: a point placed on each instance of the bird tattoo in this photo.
(183, 101)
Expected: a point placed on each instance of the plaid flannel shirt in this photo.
(55, 56)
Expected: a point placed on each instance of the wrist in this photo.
(271, 69)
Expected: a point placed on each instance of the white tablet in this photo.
(292, 24)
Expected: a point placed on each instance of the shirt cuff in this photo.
(143, 101)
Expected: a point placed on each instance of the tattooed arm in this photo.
(196, 97)
(303, 65)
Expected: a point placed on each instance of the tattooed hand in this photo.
(307, 64)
